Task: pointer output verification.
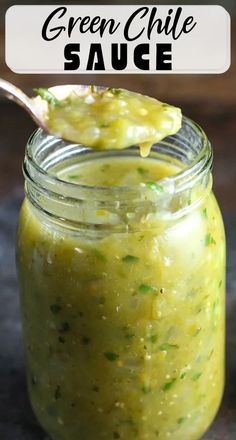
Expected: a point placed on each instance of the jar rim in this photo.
(200, 164)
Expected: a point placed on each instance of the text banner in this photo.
(118, 39)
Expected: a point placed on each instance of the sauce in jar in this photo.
(121, 264)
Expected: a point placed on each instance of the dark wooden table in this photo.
(208, 99)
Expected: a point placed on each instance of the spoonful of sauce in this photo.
(99, 117)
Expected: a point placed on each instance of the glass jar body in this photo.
(124, 332)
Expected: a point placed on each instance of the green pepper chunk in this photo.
(130, 259)
(111, 356)
(47, 96)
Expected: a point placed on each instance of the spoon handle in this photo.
(15, 94)
(12, 92)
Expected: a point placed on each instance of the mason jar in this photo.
(122, 294)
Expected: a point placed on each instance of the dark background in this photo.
(208, 99)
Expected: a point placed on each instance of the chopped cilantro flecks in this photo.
(85, 340)
(166, 346)
(100, 256)
(182, 376)
(154, 185)
(105, 167)
(146, 389)
(215, 307)
(130, 259)
(33, 380)
(205, 213)
(55, 308)
(153, 339)
(47, 96)
(142, 171)
(73, 176)
(57, 393)
(146, 288)
(111, 356)
(209, 240)
(169, 384)
(65, 327)
(196, 376)
(128, 333)
(141, 237)
(93, 89)
(197, 331)
(96, 388)
(181, 420)
(210, 354)
(129, 336)
(114, 91)
(61, 340)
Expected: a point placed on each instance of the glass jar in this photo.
(115, 348)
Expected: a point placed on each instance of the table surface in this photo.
(208, 99)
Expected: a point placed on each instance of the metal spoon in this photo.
(36, 106)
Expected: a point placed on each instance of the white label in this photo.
(118, 39)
